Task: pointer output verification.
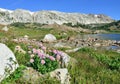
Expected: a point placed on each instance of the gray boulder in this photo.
(65, 59)
(61, 45)
(49, 38)
(8, 62)
(31, 76)
(97, 45)
(74, 50)
(62, 75)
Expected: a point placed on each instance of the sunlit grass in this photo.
(88, 69)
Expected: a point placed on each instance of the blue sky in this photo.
(107, 7)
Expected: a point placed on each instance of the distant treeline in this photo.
(26, 25)
(104, 26)
(114, 26)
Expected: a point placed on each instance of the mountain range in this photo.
(50, 17)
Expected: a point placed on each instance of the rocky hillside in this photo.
(50, 17)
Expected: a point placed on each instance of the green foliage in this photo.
(22, 58)
(41, 61)
(15, 76)
(68, 24)
(60, 36)
(18, 24)
(28, 25)
(25, 57)
(92, 67)
(112, 63)
(114, 26)
(44, 68)
(78, 25)
(86, 50)
(2, 13)
(92, 70)
(48, 80)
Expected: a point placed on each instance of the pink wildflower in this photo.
(34, 51)
(43, 48)
(51, 58)
(31, 60)
(41, 55)
(38, 51)
(55, 51)
(59, 52)
(42, 62)
(58, 57)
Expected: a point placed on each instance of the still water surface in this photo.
(105, 36)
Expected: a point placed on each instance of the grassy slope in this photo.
(88, 69)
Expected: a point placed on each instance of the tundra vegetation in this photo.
(92, 67)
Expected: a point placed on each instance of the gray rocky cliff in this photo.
(50, 17)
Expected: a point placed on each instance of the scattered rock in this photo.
(61, 45)
(99, 31)
(31, 74)
(118, 51)
(74, 50)
(117, 43)
(8, 62)
(49, 38)
(97, 45)
(5, 29)
(65, 59)
(62, 75)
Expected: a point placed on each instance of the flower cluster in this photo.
(43, 62)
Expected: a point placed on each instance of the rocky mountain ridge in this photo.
(50, 17)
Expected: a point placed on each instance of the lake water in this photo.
(105, 36)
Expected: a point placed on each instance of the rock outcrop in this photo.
(8, 62)
(62, 75)
(49, 38)
(50, 17)
(5, 28)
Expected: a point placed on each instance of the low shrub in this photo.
(43, 62)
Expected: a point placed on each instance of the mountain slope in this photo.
(50, 17)
(113, 26)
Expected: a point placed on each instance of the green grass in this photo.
(92, 67)
(15, 76)
(90, 70)
(37, 33)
